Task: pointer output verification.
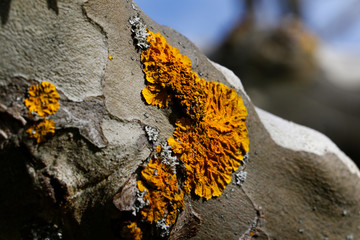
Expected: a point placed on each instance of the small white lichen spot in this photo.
(164, 229)
(344, 213)
(246, 157)
(152, 133)
(139, 203)
(133, 6)
(350, 237)
(240, 177)
(139, 32)
(167, 156)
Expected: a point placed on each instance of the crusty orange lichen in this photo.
(213, 148)
(40, 130)
(212, 139)
(163, 194)
(158, 148)
(166, 69)
(131, 231)
(43, 99)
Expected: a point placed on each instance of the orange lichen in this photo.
(131, 231)
(166, 69)
(40, 130)
(158, 148)
(213, 148)
(212, 139)
(164, 196)
(43, 99)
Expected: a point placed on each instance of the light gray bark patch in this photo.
(86, 116)
(65, 49)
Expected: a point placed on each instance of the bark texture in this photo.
(299, 185)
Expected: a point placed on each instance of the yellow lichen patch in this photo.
(40, 130)
(43, 99)
(156, 96)
(165, 69)
(163, 194)
(158, 148)
(213, 148)
(131, 231)
(212, 139)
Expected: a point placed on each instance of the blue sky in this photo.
(202, 21)
(207, 22)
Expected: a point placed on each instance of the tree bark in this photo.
(298, 185)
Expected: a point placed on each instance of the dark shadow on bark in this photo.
(4, 10)
(52, 4)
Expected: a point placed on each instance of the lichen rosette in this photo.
(213, 148)
(43, 99)
(40, 130)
